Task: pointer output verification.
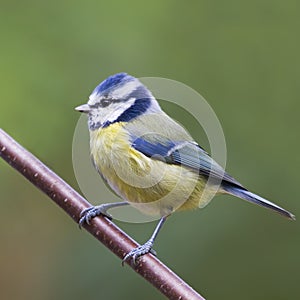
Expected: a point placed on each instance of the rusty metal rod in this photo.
(154, 271)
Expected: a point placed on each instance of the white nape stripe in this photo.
(125, 90)
(154, 106)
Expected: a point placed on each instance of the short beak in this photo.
(84, 108)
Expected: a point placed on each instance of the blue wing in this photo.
(185, 153)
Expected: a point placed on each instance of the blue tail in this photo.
(253, 198)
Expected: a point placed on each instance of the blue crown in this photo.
(112, 82)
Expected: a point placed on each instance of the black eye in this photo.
(105, 102)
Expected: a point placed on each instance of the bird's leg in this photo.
(89, 213)
(147, 247)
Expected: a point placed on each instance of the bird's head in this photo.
(119, 98)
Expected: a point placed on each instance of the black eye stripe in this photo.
(94, 105)
(102, 103)
(106, 102)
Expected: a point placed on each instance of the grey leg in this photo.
(147, 247)
(89, 213)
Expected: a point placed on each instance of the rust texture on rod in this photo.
(149, 267)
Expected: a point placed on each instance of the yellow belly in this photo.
(152, 186)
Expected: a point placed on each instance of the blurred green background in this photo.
(242, 56)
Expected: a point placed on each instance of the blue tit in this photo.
(150, 160)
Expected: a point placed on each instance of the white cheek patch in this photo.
(118, 109)
(125, 90)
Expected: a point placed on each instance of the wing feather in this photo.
(187, 154)
(160, 137)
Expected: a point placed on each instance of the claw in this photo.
(136, 253)
(85, 211)
(91, 212)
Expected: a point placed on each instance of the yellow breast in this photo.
(152, 186)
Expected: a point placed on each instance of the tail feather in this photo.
(253, 198)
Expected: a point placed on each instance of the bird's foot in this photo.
(89, 213)
(138, 252)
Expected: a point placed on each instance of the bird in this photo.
(150, 160)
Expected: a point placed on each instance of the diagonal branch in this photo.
(154, 271)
